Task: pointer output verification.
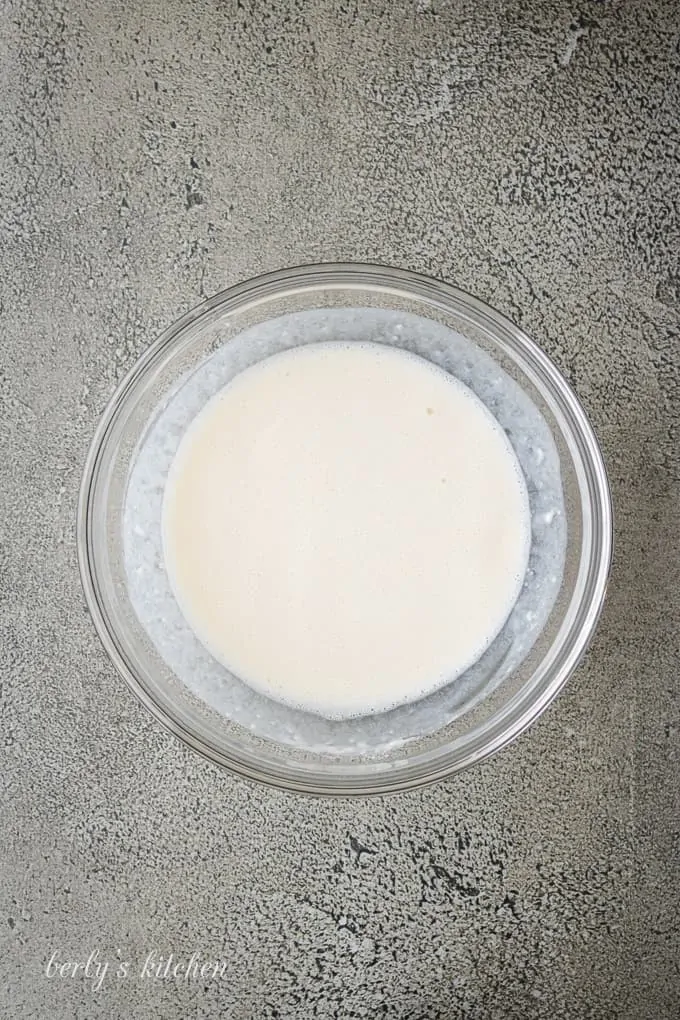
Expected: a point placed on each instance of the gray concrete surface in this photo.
(153, 153)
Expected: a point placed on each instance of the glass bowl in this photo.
(143, 631)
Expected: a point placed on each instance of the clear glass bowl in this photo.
(212, 711)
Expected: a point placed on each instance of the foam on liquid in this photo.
(345, 527)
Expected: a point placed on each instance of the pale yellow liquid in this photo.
(345, 527)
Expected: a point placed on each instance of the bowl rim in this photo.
(503, 727)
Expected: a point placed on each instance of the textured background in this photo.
(154, 152)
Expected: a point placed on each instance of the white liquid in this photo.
(345, 527)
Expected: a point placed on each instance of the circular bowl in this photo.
(120, 551)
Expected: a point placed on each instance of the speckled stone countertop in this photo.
(154, 153)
